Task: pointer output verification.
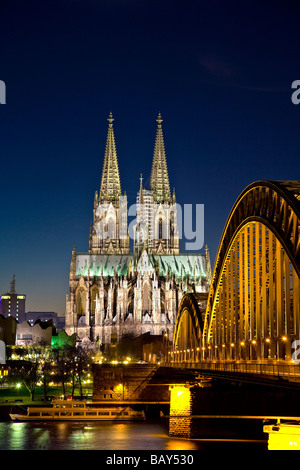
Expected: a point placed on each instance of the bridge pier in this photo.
(181, 410)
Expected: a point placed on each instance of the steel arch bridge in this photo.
(253, 306)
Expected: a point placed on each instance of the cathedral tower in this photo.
(109, 231)
(156, 227)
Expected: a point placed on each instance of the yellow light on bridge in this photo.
(283, 436)
(284, 338)
(242, 343)
(232, 345)
(180, 397)
(268, 340)
(253, 341)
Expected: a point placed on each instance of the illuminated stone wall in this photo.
(126, 382)
(180, 411)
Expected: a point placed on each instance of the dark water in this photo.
(148, 435)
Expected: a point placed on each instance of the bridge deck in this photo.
(278, 374)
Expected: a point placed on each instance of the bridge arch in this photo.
(188, 329)
(253, 307)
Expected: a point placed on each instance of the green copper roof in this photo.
(179, 265)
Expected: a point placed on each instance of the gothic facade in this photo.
(114, 293)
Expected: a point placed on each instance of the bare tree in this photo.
(45, 371)
(62, 366)
(29, 372)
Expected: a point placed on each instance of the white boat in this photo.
(283, 435)
(74, 410)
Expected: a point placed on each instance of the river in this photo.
(146, 435)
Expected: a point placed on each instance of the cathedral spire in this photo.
(159, 182)
(141, 190)
(110, 188)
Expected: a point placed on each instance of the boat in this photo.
(75, 410)
(283, 435)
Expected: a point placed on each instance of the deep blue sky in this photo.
(219, 72)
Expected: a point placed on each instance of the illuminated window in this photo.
(160, 228)
(26, 336)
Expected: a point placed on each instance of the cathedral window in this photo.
(160, 228)
(146, 298)
(81, 302)
(93, 298)
(172, 224)
(110, 229)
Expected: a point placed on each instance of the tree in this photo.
(28, 372)
(62, 366)
(29, 376)
(45, 371)
(82, 359)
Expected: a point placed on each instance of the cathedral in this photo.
(115, 293)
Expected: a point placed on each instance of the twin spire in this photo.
(159, 181)
(110, 188)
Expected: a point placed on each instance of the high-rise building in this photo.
(12, 303)
(114, 293)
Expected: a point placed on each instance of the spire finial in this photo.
(159, 119)
(110, 119)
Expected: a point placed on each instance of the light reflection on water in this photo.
(149, 435)
(88, 436)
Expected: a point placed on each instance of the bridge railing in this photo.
(287, 370)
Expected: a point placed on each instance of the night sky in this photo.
(219, 72)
